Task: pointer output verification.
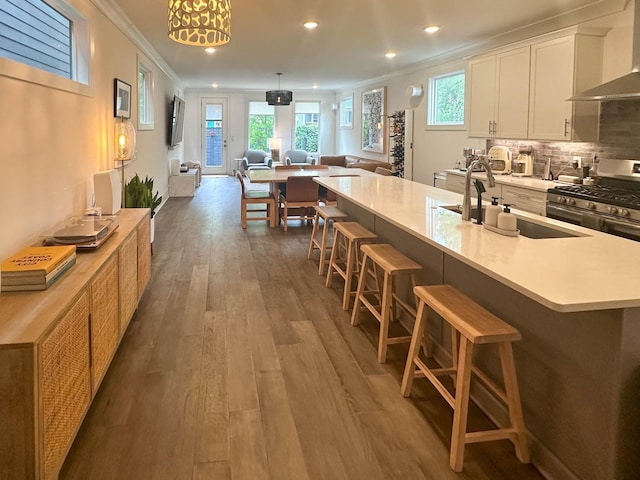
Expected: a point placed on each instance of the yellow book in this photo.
(37, 259)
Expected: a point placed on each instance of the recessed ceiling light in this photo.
(209, 50)
(310, 25)
(315, 85)
(390, 54)
(214, 85)
(432, 29)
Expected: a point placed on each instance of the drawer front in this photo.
(128, 280)
(144, 255)
(64, 384)
(527, 200)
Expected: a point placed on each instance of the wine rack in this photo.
(397, 137)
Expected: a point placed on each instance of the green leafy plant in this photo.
(139, 194)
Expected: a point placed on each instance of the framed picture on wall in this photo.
(121, 99)
(373, 120)
(346, 112)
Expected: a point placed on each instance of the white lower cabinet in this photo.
(525, 199)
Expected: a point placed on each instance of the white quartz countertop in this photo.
(594, 271)
(532, 183)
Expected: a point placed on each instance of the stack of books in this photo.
(36, 268)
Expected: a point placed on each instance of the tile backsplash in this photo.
(619, 138)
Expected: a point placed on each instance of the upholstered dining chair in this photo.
(298, 157)
(301, 195)
(257, 197)
(383, 171)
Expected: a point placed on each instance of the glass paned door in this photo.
(214, 139)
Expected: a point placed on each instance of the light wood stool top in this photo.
(352, 235)
(328, 214)
(392, 263)
(473, 325)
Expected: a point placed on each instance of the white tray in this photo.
(508, 233)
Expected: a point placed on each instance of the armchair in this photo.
(298, 157)
(256, 159)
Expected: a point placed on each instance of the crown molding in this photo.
(115, 14)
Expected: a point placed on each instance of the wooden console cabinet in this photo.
(56, 345)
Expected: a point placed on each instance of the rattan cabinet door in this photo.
(105, 328)
(64, 384)
(144, 255)
(128, 279)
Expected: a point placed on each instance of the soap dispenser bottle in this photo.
(491, 212)
(506, 220)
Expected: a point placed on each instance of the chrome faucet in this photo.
(466, 200)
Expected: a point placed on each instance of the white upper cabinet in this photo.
(499, 94)
(561, 68)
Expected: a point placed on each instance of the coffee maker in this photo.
(523, 163)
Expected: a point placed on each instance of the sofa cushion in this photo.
(334, 160)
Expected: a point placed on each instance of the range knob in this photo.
(624, 212)
(612, 210)
(591, 205)
(562, 200)
(571, 201)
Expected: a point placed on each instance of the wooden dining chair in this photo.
(314, 167)
(301, 195)
(287, 167)
(257, 197)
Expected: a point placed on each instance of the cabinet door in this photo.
(482, 95)
(64, 384)
(454, 183)
(105, 327)
(512, 103)
(144, 255)
(552, 74)
(128, 279)
(525, 199)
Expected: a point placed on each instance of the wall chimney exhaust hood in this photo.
(626, 87)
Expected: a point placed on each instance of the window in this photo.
(145, 96)
(261, 125)
(346, 112)
(49, 36)
(446, 100)
(307, 126)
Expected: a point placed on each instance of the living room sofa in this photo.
(352, 161)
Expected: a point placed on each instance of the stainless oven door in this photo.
(595, 221)
(630, 230)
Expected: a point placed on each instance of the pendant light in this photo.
(200, 22)
(279, 97)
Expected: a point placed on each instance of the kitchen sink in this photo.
(527, 228)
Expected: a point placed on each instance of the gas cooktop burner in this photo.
(601, 193)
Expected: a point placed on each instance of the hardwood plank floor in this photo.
(240, 364)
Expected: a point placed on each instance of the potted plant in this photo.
(139, 194)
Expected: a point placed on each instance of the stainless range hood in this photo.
(626, 87)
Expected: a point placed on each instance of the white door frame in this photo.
(223, 169)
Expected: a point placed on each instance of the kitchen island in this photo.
(576, 301)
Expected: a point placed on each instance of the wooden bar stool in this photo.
(328, 215)
(474, 325)
(392, 263)
(348, 236)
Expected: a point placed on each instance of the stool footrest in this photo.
(490, 435)
(402, 339)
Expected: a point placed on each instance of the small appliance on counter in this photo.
(499, 158)
(471, 155)
(522, 166)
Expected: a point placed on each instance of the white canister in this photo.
(491, 212)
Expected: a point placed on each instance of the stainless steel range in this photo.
(611, 206)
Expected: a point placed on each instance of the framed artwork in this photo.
(346, 112)
(121, 99)
(373, 120)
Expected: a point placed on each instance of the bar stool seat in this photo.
(348, 236)
(328, 214)
(392, 263)
(473, 325)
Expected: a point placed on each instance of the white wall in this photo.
(55, 140)
(238, 108)
(436, 150)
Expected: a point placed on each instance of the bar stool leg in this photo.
(414, 349)
(385, 313)
(513, 401)
(461, 406)
(361, 281)
(323, 245)
(334, 257)
(349, 274)
(314, 232)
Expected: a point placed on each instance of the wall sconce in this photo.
(125, 140)
(274, 146)
(414, 91)
(334, 106)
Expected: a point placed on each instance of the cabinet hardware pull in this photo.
(566, 127)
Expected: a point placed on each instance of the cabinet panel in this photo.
(64, 383)
(512, 100)
(144, 255)
(482, 95)
(525, 199)
(128, 279)
(105, 327)
(455, 183)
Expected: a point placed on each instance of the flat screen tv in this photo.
(176, 121)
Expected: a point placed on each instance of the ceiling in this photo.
(349, 44)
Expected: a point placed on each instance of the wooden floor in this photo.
(239, 364)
